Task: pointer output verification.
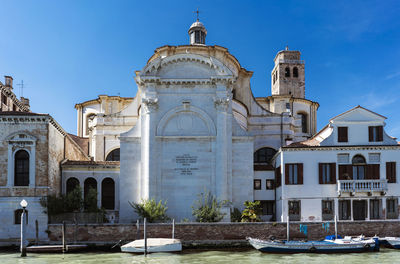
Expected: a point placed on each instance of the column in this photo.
(99, 190)
(368, 210)
(383, 211)
(336, 207)
(223, 173)
(351, 209)
(148, 145)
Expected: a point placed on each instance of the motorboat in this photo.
(324, 246)
(153, 245)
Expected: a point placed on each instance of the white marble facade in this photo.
(194, 126)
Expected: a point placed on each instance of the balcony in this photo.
(359, 186)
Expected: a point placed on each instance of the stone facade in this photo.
(46, 144)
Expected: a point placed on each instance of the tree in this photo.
(151, 210)
(252, 212)
(207, 208)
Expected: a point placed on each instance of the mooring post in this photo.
(145, 236)
(288, 226)
(173, 228)
(137, 230)
(336, 227)
(23, 246)
(37, 231)
(63, 237)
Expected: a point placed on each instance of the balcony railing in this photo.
(354, 186)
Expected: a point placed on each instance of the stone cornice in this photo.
(324, 148)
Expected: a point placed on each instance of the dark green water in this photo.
(209, 257)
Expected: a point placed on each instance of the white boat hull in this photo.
(154, 245)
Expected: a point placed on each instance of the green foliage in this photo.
(236, 215)
(72, 202)
(252, 212)
(90, 202)
(207, 208)
(153, 211)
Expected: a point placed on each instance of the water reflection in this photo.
(195, 256)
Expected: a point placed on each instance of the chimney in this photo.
(25, 101)
(8, 81)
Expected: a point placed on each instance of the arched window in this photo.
(358, 159)
(295, 72)
(359, 167)
(264, 155)
(304, 124)
(90, 183)
(287, 72)
(108, 194)
(113, 155)
(89, 117)
(17, 216)
(72, 183)
(21, 168)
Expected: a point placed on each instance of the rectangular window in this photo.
(374, 157)
(17, 216)
(257, 184)
(391, 172)
(343, 158)
(294, 210)
(327, 173)
(343, 134)
(294, 173)
(374, 209)
(391, 209)
(344, 210)
(375, 133)
(327, 210)
(270, 184)
(268, 207)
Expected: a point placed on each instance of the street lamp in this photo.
(23, 204)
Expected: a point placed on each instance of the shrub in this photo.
(72, 202)
(236, 215)
(153, 211)
(252, 212)
(90, 202)
(207, 208)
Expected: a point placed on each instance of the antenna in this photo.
(21, 86)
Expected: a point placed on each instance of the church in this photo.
(194, 126)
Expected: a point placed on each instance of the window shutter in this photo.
(300, 173)
(286, 174)
(370, 133)
(380, 133)
(342, 134)
(333, 173)
(320, 173)
(391, 172)
(369, 172)
(345, 169)
(376, 174)
(278, 176)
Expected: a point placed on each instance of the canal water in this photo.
(196, 256)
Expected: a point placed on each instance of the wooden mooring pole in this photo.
(145, 236)
(37, 232)
(64, 248)
(173, 228)
(137, 230)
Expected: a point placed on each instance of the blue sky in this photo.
(71, 51)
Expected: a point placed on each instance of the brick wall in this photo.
(221, 231)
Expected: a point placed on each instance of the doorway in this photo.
(359, 209)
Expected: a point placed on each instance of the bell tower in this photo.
(287, 77)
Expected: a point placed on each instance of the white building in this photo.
(194, 126)
(348, 169)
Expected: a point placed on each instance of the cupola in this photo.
(197, 33)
